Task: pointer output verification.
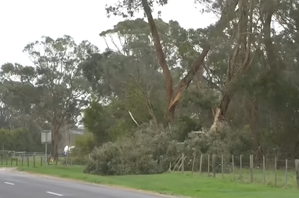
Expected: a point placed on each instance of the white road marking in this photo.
(8, 183)
(53, 193)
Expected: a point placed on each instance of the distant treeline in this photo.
(19, 140)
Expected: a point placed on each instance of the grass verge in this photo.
(171, 183)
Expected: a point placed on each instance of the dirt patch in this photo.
(8, 169)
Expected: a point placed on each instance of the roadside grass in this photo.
(173, 183)
(230, 186)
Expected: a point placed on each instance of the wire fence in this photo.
(271, 171)
(31, 159)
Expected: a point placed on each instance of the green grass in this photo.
(195, 185)
(172, 183)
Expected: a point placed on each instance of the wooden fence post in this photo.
(213, 165)
(233, 166)
(286, 175)
(222, 166)
(194, 157)
(297, 172)
(169, 168)
(183, 163)
(275, 168)
(208, 164)
(241, 166)
(33, 160)
(200, 164)
(251, 168)
(264, 169)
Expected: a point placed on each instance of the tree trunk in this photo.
(172, 99)
(239, 61)
(220, 112)
(54, 150)
(187, 80)
(54, 143)
(161, 58)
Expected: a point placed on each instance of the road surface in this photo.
(14, 184)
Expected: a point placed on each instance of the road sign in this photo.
(46, 137)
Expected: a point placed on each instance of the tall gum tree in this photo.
(132, 39)
(172, 94)
(59, 86)
(240, 58)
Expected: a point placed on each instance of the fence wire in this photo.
(271, 171)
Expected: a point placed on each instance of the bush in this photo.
(148, 151)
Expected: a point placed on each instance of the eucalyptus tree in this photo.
(54, 87)
(172, 97)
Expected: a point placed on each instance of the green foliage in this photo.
(129, 7)
(128, 93)
(84, 144)
(186, 125)
(147, 151)
(96, 120)
(19, 140)
(54, 89)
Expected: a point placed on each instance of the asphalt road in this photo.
(14, 184)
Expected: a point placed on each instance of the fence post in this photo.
(297, 172)
(222, 166)
(286, 175)
(233, 166)
(264, 169)
(200, 164)
(251, 168)
(213, 164)
(22, 160)
(34, 160)
(169, 169)
(41, 161)
(27, 161)
(194, 156)
(241, 166)
(275, 167)
(183, 161)
(208, 165)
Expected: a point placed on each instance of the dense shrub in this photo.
(148, 151)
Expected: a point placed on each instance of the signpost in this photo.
(46, 138)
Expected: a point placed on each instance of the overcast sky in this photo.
(24, 21)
